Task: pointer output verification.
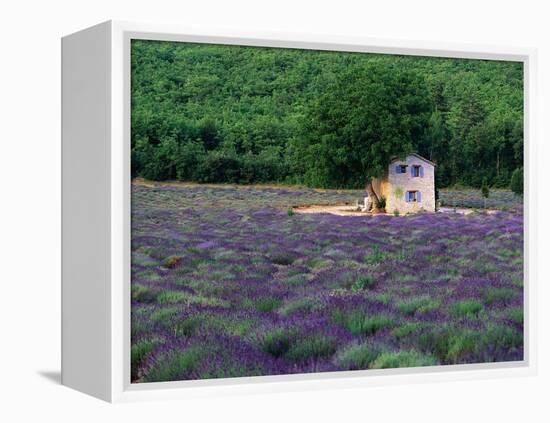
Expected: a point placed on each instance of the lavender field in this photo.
(228, 282)
(472, 198)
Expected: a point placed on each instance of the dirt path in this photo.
(339, 209)
(349, 210)
(463, 210)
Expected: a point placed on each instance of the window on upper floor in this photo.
(417, 170)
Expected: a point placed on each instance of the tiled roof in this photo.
(415, 155)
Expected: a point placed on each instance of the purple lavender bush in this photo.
(227, 283)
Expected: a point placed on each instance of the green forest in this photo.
(217, 113)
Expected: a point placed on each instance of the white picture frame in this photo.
(96, 213)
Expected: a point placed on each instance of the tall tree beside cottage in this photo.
(371, 114)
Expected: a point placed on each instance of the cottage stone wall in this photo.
(395, 186)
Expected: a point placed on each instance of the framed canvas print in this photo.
(256, 212)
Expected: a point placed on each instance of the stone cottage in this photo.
(408, 185)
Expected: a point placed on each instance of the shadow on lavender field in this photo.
(226, 282)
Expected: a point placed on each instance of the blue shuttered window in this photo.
(417, 171)
(401, 169)
(412, 196)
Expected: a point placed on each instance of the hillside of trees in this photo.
(212, 113)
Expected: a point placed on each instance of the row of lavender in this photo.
(226, 283)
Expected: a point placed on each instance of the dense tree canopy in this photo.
(217, 113)
(357, 125)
